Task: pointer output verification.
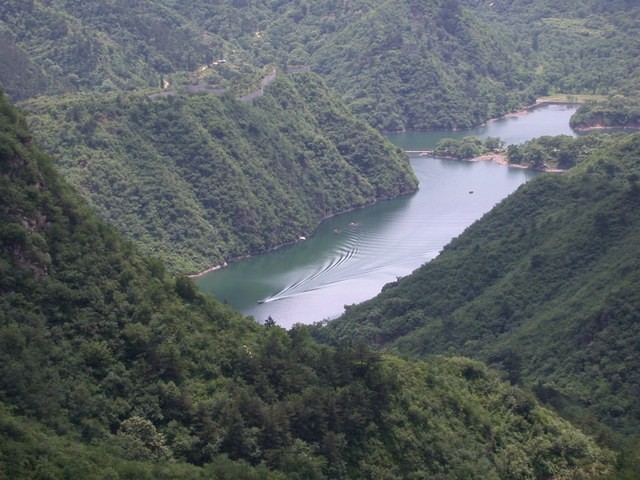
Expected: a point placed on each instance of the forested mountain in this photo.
(544, 287)
(442, 63)
(398, 65)
(97, 45)
(199, 179)
(422, 65)
(574, 47)
(619, 110)
(109, 368)
(112, 368)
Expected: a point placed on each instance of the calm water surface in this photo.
(351, 256)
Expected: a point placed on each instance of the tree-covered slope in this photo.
(399, 64)
(573, 47)
(619, 110)
(545, 286)
(95, 45)
(199, 179)
(421, 65)
(109, 368)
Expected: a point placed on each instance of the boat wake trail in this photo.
(362, 253)
(326, 271)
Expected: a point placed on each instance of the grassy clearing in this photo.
(582, 27)
(570, 98)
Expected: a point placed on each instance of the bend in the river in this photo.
(351, 256)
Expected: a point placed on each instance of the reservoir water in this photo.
(351, 256)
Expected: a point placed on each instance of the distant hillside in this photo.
(422, 65)
(544, 287)
(199, 179)
(94, 45)
(572, 47)
(616, 112)
(398, 64)
(619, 110)
(109, 368)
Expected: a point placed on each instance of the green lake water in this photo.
(351, 256)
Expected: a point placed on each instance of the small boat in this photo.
(470, 192)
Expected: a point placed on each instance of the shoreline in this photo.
(522, 111)
(528, 109)
(606, 127)
(226, 263)
(497, 158)
(501, 159)
(208, 270)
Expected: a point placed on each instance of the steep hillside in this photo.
(414, 65)
(422, 65)
(111, 369)
(545, 287)
(95, 45)
(199, 179)
(619, 110)
(585, 47)
(399, 64)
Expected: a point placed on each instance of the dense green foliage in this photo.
(441, 63)
(559, 152)
(421, 65)
(467, 147)
(400, 64)
(545, 287)
(555, 152)
(97, 45)
(619, 110)
(585, 47)
(111, 369)
(199, 179)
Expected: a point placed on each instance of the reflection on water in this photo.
(352, 256)
(516, 128)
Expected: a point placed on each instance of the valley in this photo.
(484, 318)
(352, 256)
